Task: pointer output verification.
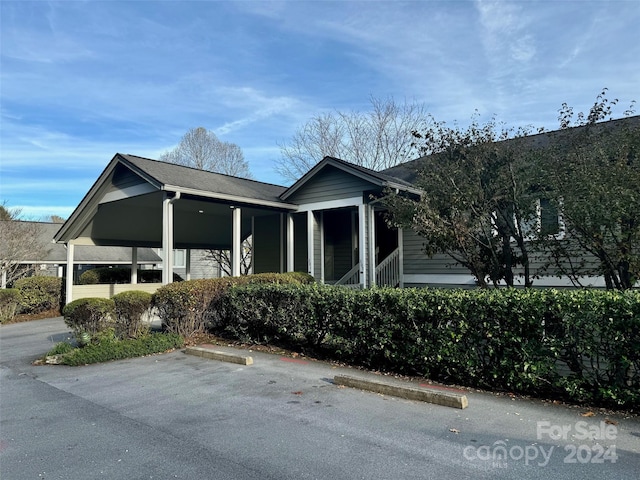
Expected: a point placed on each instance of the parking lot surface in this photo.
(181, 416)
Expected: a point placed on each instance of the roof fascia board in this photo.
(331, 204)
(142, 173)
(87, 208)
(230, 198)
(81, 213)
(308, 176)
(87, 262)
(347, 168)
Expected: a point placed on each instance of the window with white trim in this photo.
(179, 257)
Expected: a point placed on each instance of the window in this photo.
(179, 257)
(549, 218)
(547, 221)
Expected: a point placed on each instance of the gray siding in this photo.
(266, 244)
(330, 184)
(417, 262)
(124, 178)
(203, 267)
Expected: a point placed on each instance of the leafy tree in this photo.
(596, 185)
(479, 201)
(378, 139)
(200, 148)
(19, 241)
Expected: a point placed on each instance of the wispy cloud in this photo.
(253, 106)
(84, 80)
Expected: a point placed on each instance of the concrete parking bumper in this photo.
(212, 353)
(430, 394)
(385, 385)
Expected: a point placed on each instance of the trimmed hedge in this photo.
(39, 293)
(190, 307)
(89, 316)
(111, 349)
(579, 345)
(9, 302)
(110, 276)
(131, 311)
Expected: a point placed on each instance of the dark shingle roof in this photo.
(408, 171)
(190, 178)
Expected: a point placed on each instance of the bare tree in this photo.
(223, 258)
(19, 241)
(378, 139)
(200, 148)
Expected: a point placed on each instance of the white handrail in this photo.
(351, 278)
(388, 271)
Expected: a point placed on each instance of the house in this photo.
(51, 258)
(330, 223)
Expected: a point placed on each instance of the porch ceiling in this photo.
(137, 221)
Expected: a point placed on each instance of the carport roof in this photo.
(168, 176)
(163, 176)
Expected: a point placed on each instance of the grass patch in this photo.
(108, 349)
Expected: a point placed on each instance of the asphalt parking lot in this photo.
(182, 416)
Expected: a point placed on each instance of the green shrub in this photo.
(131, 312)
(9, 302)
(577, 345)
(184, 307)
(60, 349)
(112, 349)
(89, 316)
(191, 307)
(90, 277)
(39, 294)
(120, 275)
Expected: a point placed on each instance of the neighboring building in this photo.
(52, 257)
(329, 223)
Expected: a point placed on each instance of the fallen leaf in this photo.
(454, 430)
(610, 422)
(297, 393)
(588, 414)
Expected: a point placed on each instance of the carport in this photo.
(138, 202)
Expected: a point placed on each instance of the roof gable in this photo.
(372, 177)
(128, 176)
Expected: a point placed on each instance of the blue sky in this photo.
(82, 80)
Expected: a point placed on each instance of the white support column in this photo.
(310, 249)
(401, 257)
(251, 244)
(371, 219)
(362, 244)
(69, 279)
(290, 244)
(236, 247)
(167, 240)
(60, 271)
(134, 265)
(3, 280)
(187, 264)
(283, 251)
(321, 247)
